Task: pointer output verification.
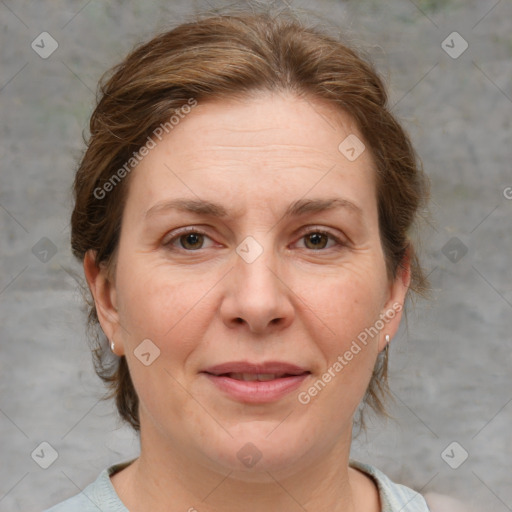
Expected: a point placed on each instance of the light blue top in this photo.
(100, 496)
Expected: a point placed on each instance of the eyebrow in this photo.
(212, 209)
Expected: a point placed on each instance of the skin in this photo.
(202, 304)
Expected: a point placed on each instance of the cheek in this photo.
(348, 308)
(158, 306)
(152, 300)
(346, 303)
(170, 308)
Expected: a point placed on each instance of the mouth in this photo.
(274, 368)
(260, 377)
(256, 383)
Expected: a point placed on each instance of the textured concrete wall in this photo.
(451, 371)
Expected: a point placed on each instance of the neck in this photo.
(172, 479)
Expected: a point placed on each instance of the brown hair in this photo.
(222, 56)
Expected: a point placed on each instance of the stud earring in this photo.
(112, 345)
(386, 348)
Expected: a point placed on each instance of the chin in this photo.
(250, 456)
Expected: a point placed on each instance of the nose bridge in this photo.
(258, 296)
(256, 264)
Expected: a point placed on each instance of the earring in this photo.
(112, 345)
(387, 339)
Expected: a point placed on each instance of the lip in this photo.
(256, 392)
(247, 367)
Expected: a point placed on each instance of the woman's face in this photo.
(249, 239)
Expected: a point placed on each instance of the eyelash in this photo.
(185, 231)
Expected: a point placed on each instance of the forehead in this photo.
(274, 146)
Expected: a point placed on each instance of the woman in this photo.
(242, 213)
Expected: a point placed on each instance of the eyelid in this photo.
(176, 234)
(340, 241)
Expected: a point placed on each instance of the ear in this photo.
(103, 290)
(394, 306)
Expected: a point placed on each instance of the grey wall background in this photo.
(451, 372)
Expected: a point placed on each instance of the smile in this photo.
(251, 377)
(256, 388)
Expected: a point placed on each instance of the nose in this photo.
(257, 296)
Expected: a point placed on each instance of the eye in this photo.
(189, 239)
(192, 239)
(317, 239)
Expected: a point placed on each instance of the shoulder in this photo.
(394, 497)
(99, 495)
